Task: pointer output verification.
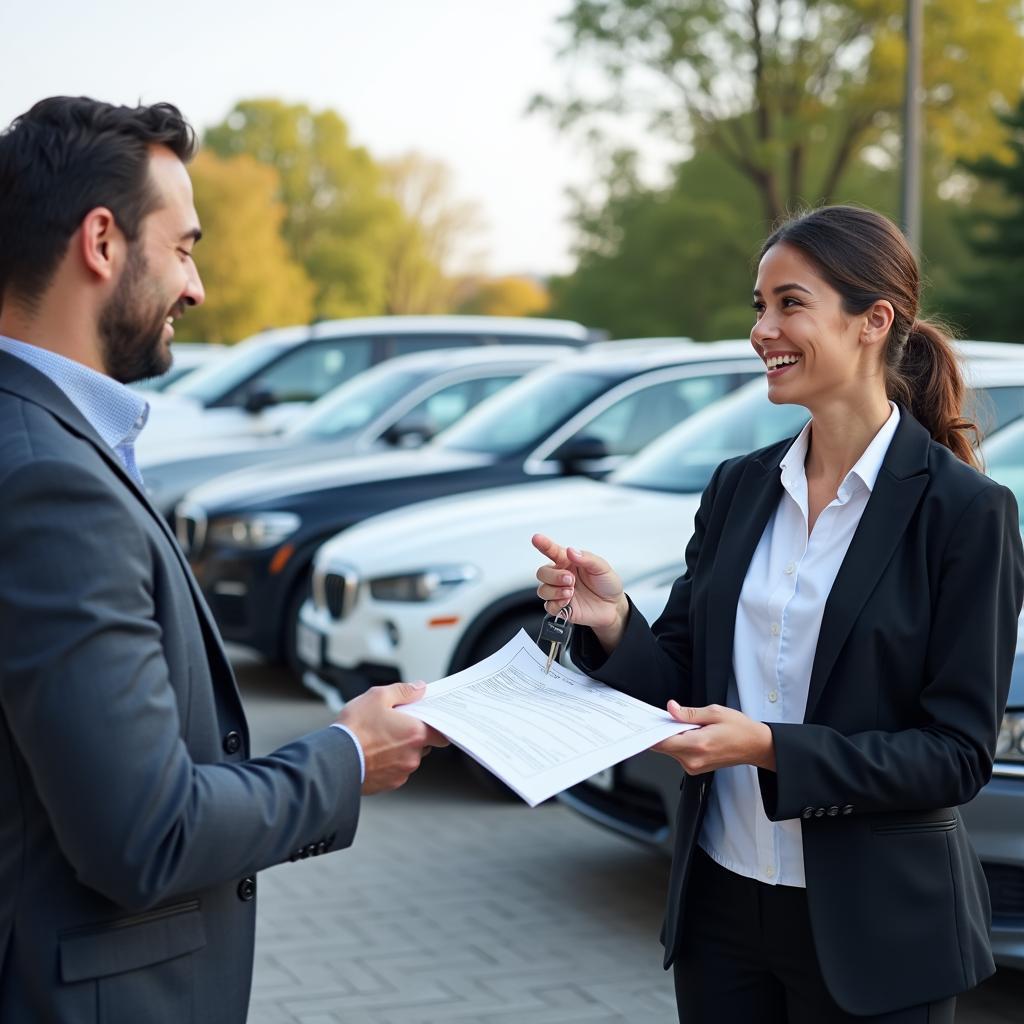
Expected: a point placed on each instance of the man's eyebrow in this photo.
(792, 286)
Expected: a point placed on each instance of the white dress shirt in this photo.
(777, 624)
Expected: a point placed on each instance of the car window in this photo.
(649, 412)
(683, 460)
(440, 410)
(356, 403)
(993, 407)
(211, 384)
(524, 414)
(307, 373)
(401, 344)
(1004, 462)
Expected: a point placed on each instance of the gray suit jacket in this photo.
(131, 818)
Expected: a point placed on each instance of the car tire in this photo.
(493, 638)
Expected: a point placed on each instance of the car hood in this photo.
(631, 527)
(172, 453)
(268, 484)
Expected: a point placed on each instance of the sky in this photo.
(449, 78)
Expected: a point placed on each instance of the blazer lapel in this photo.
(755, 499)
(893, 501)
(28, 383)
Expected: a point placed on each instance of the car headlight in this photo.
(425, 585)
(259, 530)
(1010, 744)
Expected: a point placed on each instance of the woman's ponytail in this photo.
(923, 373)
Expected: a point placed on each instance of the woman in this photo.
(843, 635)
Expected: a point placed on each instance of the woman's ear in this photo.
(877, 322)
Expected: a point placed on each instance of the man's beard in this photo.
(132, 325)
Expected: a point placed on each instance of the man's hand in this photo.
(393, 744)
(725, 738)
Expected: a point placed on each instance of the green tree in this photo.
(251, 280)
(339, 221)
(988, 300)
(774, 85)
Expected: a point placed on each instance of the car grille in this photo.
(336, 591)
(1006, 888)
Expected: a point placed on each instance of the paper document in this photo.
(539, 733)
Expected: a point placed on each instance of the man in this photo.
(132, 820)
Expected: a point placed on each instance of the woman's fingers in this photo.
(555, 577)
(547, 547)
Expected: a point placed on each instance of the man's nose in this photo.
(194, 293)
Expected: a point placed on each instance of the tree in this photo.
(251, 280)
(505, 296)
(339, 221)
(437, 226)
(770, 84)
(988, 302)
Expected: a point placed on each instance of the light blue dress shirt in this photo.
(114, 411)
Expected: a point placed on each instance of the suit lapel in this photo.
(26, 382)
(755, 499)
(892, 503)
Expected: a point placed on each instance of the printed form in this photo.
(539, 733)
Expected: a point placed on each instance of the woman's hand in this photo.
(725, 738)
(586, 581)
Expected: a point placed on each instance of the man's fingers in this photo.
(553, 576)
(592, 563)
(436, 739)
(396, 694)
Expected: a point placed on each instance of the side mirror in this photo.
(408, 433)
(259, 399)
(577, 451)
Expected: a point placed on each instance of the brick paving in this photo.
(454, 907)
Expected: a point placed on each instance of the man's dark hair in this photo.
(65, 157)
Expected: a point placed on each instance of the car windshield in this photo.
(210, 383)
(525, 412)
(355, 403)
(683, 460)
(1004, 462)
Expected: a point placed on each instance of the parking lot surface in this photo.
(454, 906)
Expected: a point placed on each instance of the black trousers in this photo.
(747, 957)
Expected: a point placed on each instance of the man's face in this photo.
(159, 280)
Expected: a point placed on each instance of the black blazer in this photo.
(908, 686)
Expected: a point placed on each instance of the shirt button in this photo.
(773, 696)
(775, 629)
(769, 872)
(791, 568)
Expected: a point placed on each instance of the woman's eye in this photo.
(788, 302)
(758, 307)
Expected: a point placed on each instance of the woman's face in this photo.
(813, 351)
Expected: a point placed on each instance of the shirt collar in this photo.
(113, 410)
(865, 469)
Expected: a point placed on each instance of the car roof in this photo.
(636, 355)
(440, 359)
(988, 373)
(538, 327)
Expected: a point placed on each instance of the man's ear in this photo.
(101, 243)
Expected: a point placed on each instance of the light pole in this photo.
(910, 183)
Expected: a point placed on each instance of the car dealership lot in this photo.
(454, 907)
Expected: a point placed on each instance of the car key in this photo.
(555, 631)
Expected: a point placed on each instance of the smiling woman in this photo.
(844, 634)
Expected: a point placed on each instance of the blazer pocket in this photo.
(910, 828)
(131, 942)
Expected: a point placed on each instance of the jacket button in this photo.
(247, 889)
(848, 809)
(321, 847)
(232, 743)
(832, 812)
(820, 812)
(807, 812)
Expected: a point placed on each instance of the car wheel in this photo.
(493, 638)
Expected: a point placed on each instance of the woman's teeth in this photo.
(773, 362)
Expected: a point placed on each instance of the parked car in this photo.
(264, 381)
(251, 536)
(638, 798)
(188, 357)
(401, 404)
(434, 587)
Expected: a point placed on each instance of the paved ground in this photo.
(454, 907)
